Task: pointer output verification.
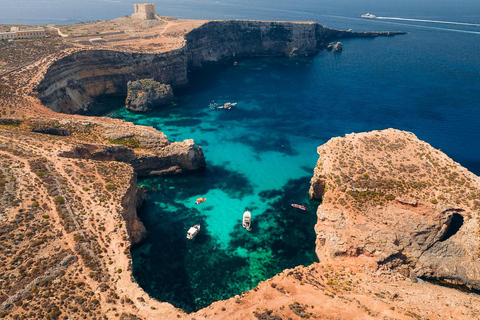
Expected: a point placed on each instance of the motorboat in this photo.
(200, 200)
(228, 105)
(193, 231)
(368, 15)
(247, 220)
(299, 206)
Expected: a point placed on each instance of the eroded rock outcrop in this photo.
(338, 46)
(146, 94)
(131, 201)
(146, 149)
(393, 198)
(219, 40)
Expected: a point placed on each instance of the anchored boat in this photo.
(247, 220)
(299, 206)
(228, 105)
(192, 232)
(200, 200)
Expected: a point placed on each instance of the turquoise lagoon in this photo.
(260, 157)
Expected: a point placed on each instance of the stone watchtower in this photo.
(145, 11)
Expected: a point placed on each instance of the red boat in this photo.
(200, 200)
(299, 206)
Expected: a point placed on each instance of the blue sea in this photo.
(260, 155)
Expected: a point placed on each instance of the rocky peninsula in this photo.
(394, 209)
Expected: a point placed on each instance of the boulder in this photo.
(144, 95)
(338, 46)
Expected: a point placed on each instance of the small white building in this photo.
(144, 11)
(7, 36)
(16, 33)
(31, 33)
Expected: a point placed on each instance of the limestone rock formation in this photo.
(131, 201)
(146, 94)
(338, 46)
(395, 199)
(146, 149)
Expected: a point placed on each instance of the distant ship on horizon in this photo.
(368, 15)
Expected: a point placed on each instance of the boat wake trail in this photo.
(432, 21)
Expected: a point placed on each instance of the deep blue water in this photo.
(261, 154)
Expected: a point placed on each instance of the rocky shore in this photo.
(401, 203)
(395, 211)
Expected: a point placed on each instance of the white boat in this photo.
(228, 105)
(369, 16)
(192, 232)
(247, 220)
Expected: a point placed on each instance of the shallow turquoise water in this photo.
(258, 159)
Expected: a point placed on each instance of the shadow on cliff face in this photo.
(188, 274)
(453, 226)
(103, 105)
(184, 186)
(266, 143)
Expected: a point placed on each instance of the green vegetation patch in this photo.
(131, 142)
(111, 187)
(59, 200)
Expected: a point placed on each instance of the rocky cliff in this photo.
(144, 95)
(219, 40)
(215, 41)
(395, 199)
(131, 201)
(146, 149)
(66, 227)
(72, 83)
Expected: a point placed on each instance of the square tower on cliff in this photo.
(145, 11)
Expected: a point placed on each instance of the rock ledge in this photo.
(395, 199)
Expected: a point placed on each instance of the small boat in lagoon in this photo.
(299, 206)
(200, 200)
(228, 105)
(192, 232)
(247, 220)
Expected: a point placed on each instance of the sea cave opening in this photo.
(453, 226)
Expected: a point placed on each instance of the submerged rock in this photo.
(144, 95)
(392, 198)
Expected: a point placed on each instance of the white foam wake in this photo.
(432, 21)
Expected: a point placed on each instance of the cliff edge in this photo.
(400, 202)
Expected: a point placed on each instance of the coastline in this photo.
(106, 130)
